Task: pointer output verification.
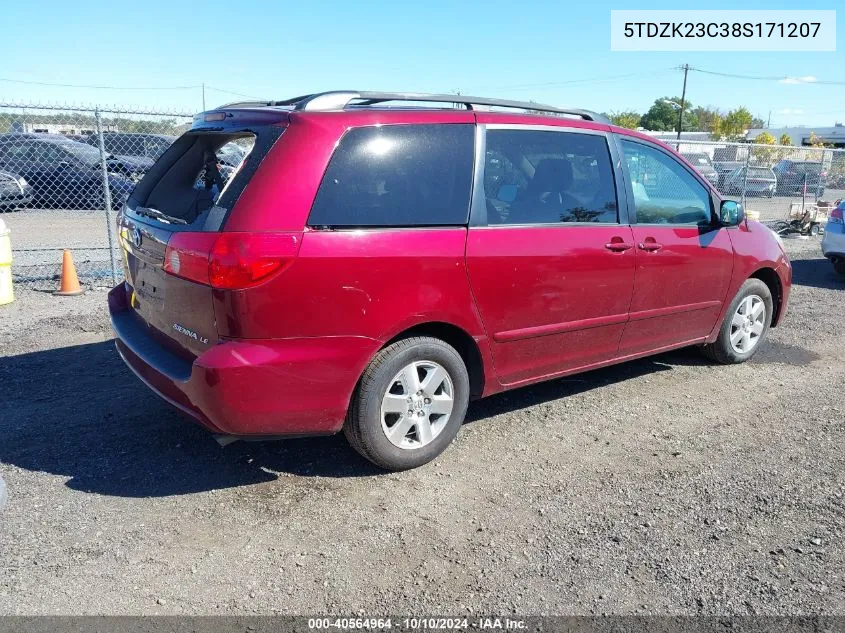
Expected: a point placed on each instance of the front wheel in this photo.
(409, 404)
(746, 323)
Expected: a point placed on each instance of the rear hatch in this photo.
(171, 228)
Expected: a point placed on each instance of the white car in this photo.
(833, 243)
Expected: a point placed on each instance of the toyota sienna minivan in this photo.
(379, 259)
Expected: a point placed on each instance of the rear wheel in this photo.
(839, 265)
(746, 323)
(410, 403)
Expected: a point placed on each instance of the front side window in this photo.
(664, 191)
(548, 177)
(398, 175)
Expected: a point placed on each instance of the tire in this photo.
(814, 230)
(839, 265)
(369, 419)
(722, 350)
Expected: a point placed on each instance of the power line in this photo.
(798, 80)
(229, 92)
(58, 85)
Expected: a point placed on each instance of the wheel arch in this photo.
(769, 277)
(458, 338)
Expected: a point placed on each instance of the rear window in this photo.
(807, 168)
(760, 172)
(698, 160)
(398, 175)
(193, 184)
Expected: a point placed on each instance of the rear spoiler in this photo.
(223, 119)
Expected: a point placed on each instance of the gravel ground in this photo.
(664, 485)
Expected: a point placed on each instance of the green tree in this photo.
(757, 122)
(628, 119)
(764, 138)
(662, 116)
(785, 139)
(707, 118)
(764, 155)
(736, 123)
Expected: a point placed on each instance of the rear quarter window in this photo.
(398, 176)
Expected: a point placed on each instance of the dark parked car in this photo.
(703, 166)
(134, 151)
(15, 191)
(723, 170)
(761, 181)
(794, 175)
(62, 173)
(356, 274)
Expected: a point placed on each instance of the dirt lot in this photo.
(660, 486)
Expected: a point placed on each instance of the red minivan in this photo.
(378, 259)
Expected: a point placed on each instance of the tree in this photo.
(707, 118)
(764, 155)
(764, 138)
(628, 119)
(736, 123)
(815, 141)
(663, 116)
(757, 122)
(785, 139)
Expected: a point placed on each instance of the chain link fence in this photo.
(66, 170)
(787, 187)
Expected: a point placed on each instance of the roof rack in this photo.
(341, 99)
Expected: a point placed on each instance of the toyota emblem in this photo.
(136, 237)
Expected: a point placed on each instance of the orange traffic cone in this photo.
(70, 282)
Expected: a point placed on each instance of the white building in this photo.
(801, 135)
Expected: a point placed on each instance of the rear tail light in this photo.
(229, 261)
(836, 216)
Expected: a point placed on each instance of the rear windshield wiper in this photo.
(158, 215)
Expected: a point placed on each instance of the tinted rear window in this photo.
(759, 172)
(400, 175)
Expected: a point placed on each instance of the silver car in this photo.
(761, 181)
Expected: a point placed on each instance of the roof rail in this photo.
(341, 99)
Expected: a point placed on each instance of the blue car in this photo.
(63, 174)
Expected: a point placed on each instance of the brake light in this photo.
(240, 260)
(186, 255)
(228, 261)
(836, 216)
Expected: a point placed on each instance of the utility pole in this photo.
(769, 120)
(203, 96)
(683, 101)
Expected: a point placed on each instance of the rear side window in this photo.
(398, 175)
(546, 177)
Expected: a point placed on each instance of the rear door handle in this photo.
(618, 247)
(649, 246)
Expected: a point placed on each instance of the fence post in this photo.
(106, 194)
(745, 176)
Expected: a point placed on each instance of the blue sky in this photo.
(520, 50)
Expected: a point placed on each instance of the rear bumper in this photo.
(833, 242)
(297, 386)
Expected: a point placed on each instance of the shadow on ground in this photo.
(818, 273)
(78, 412)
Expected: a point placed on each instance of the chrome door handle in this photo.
(649, 246)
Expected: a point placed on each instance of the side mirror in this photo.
(731, 213)
(507, 193)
